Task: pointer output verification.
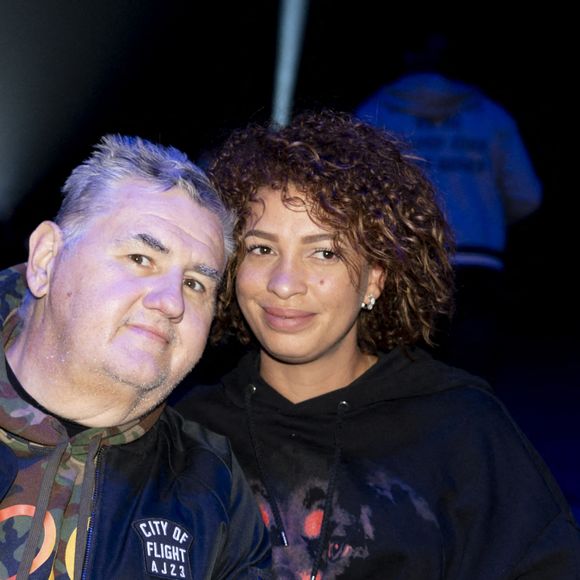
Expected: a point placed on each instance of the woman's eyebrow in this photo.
(309, 239)
(317, 238)
(261, 234)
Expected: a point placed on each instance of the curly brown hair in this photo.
(359, 183)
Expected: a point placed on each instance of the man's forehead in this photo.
(142, 190)
(172, 218)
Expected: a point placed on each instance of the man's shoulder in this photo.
(181, 455)
(201, 452)
(188, 436)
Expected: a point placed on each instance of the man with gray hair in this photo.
(98, 479)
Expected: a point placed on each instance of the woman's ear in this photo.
(44, 245)
(376, 282)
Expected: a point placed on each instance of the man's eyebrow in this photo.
(152, 242)
(311, 239)
(208, 271)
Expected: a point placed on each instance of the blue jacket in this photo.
(161, 498)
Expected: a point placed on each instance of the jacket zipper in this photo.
(93, 512)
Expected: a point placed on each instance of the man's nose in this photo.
(166, 295)
(287, 278)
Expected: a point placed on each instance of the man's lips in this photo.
(290, 319)
(151, 332)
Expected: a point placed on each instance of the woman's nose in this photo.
(287, 278)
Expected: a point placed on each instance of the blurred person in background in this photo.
(472, 151)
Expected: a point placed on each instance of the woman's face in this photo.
(294, 291)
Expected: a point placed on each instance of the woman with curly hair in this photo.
(368, 458)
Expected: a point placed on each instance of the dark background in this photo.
(186, 73)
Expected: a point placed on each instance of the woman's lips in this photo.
(287, 319)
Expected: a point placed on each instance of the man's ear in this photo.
(45, 243)
(376, 282)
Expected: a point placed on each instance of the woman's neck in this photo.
(299, 382)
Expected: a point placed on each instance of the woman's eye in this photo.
(140, 259)
(325, 254)
(194, 285)
(259, 250)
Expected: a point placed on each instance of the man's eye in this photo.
(259, 250)
(194, 285)
(140, 259)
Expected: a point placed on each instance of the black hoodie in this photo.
(413, 471)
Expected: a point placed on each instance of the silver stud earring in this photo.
(369, 304)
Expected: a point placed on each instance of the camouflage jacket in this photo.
(157, 497)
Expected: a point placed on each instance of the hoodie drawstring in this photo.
(37, 524)
(342, 408)
(86, 506)
(258, 454)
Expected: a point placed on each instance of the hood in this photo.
(396, 375)
(12, 289)
(429, 96)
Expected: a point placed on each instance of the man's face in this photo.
(131, 301)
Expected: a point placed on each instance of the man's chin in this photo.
(141, 379)
(145, 374)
